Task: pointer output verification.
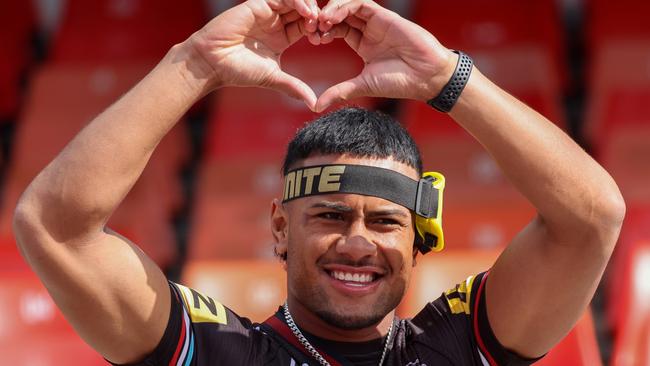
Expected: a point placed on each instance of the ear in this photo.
(415, 254)
(279, 228)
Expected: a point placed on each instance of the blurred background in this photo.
(201, 208)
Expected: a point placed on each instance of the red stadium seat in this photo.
(625, 156)
(117, 30)
(62, 100)
(18, 26)
(635, 232)
(612, 21)
(632, 343)
(481, 226)
(619, 279)
(252, 123)
(27, 308)
(492, 24)
(253, 289)
(60, 349)
(32, 329)
(618, 95)
(232, 210)
(578, 348)
(489, 26)
(11, 261)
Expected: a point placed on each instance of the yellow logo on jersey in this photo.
(202, 308)
(458, 297)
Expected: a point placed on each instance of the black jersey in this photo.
(452, 330)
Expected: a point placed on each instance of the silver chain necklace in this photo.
(301, 338)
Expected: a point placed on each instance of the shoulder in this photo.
(456, 325)
(200, 329)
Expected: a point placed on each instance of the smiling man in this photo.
(355, 212)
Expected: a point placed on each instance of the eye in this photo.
(330, 216)
(387, 221)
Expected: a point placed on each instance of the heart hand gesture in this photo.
(243, 45)
(402, 60)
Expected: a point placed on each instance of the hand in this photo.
(243, 45)
(402, 60)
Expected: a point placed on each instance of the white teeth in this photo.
(353, 277)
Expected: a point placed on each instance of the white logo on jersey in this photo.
(416, 363)
(293, 363)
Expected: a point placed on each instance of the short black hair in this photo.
(356, 132)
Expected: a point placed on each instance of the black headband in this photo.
(419, 196)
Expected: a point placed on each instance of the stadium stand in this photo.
(117, 30)
(254, 289)
(578, 348)
(620, 279)
(494, 26)
(614, 21)
(632, 344)
(61, 101)
(28, 316)
(18, 24)
(519, 44)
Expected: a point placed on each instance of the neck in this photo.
(313, 324)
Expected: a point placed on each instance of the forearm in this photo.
(572, 193)
(76, 193)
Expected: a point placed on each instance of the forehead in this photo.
(387, 163)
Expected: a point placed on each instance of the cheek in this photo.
(304, 249)
(399, 252)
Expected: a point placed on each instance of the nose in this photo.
(356, 244)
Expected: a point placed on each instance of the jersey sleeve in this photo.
(463, 312)
(198, 326)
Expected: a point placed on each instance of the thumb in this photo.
(294, 87)
(349, 89)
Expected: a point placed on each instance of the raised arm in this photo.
(560, 256)
(114, 296)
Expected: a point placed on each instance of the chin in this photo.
(356, 313)
(350, 321)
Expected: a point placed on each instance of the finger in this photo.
(290, 17)
(295, 31)
(314, 38)
(351, 35)
(327, 38)
(313, 5)
(301, 6)
(355, 22)
(295, 88)
(311, 25)
(347, 90)
(337, 10)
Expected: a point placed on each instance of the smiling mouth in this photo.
(355, 279)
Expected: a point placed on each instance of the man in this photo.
(348, 255)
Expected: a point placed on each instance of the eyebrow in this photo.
(332, 206)
(388, 212)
